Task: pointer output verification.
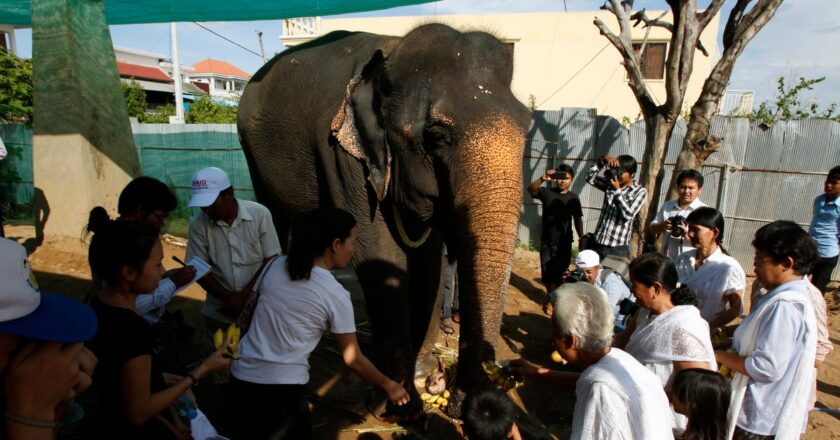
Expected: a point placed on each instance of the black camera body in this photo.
(558, 175)
(577, 275)
(612, 173)
(676, 226)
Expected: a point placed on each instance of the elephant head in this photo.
(441, 135)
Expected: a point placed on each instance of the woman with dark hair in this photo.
(125, 258)
(299, 300)
(667, 334)
(703, 397)
(775, 345)
(715, 277)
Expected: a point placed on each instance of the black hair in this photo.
(710, 218)
(705, 394)
(148, 194)
(117, 243)
(627, 163)
(834, 173)
(654, 267)
(312, 233)
(488, 415)
(564, 168)
(690, 175)
(784, 239)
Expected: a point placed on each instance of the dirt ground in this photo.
(338, 397)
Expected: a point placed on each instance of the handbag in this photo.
(246, 314)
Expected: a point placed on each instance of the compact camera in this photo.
(677, 223)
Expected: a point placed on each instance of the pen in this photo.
(178, 260)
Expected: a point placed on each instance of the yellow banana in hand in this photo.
(218, 338)
(232, 336)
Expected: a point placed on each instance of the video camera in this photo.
(612, 173)
(575, 276)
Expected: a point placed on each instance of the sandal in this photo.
(446, 326)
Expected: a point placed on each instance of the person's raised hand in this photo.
(549, 174)
(520, 368)
(609, 161)
(44, 374)
(396, 393)
(183, 276)
(615, 183)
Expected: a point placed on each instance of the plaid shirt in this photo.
(619, 210)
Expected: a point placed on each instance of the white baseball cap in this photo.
(207, 183)
(26, 311)
(587, 259)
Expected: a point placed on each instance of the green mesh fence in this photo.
(170, 153)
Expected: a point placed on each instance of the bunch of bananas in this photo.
(499, 375)
(232, 337)
(436, 400)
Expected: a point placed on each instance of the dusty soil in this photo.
(338, 402)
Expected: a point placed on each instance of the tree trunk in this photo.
(658, 129)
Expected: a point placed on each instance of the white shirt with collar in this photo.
(236, 251)
(719, 275)
(672, 247)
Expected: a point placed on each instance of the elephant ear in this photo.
(358, 125)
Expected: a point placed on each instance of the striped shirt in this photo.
(618, 211)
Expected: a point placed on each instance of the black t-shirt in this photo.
(558, 211)
(122, 336)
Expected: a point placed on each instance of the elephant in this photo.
(421, 139)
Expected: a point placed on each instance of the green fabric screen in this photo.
(19, 12)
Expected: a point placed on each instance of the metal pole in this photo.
(262, 48)
(721, 201)
(176, 74)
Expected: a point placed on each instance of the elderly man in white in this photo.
(617, 397)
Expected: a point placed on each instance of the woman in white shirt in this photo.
(299, 300)
(776, 344)
(715, 277)
(667, 334)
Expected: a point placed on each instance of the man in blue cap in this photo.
(41, 352)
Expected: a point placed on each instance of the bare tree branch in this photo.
(703, 18)
(734, 22)
(640, 17)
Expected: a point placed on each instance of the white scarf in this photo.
(654, 343)
(793, 414)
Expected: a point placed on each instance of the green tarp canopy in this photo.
(19, 12)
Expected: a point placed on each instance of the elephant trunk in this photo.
(487, 205)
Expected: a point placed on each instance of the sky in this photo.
(800, 41)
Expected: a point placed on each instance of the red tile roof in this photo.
(142, 72)
(219, 67)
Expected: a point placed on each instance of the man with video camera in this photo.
(623, 199)
(561, 208)
(672, 215)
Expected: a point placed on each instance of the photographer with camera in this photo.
(672, 215)
(588, 268)
(623, 199)
(560, 207)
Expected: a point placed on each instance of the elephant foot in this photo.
(456, 403)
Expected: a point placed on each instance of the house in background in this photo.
(153, 72)
(222, 80)
(560, 59)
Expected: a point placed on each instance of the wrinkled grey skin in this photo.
(421, 132)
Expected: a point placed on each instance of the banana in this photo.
(218, 338)
(425, 397)
(555, 356)
(446, 394)
(232, 336)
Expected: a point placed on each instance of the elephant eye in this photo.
(437, 135)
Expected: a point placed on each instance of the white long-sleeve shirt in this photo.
(152, 305)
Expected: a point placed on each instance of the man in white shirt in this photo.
(234, 237)
(689, 187)
(608, 280)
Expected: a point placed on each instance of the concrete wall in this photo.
(559, 57)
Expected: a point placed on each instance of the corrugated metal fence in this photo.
(768, 173)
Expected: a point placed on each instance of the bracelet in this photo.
(36, 423)
(193, 379)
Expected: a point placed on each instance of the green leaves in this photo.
(205, 111)
(788, 104)
(15, 88)
(135, 98)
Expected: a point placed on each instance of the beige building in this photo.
(560, 58)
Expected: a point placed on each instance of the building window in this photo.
(652, 60)
(219, 84)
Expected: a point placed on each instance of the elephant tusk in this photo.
(414, 244)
